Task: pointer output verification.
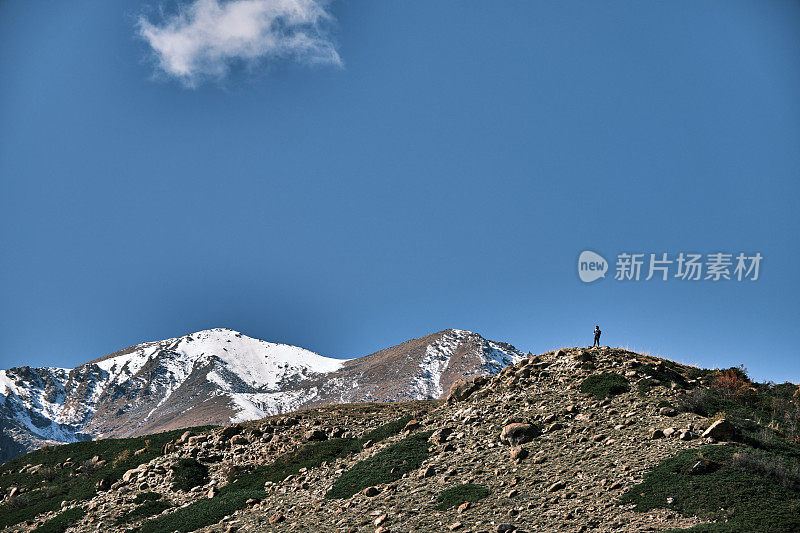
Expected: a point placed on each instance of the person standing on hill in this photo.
(597, 333)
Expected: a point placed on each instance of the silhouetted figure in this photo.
(597, 333)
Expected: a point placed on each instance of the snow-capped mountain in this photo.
(219, 376)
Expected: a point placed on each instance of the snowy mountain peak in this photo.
(219, 375)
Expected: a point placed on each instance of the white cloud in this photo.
(206, 37)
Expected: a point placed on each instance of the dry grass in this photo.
(783, 470)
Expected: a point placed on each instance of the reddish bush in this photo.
(731, 379)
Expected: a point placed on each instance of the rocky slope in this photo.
(552, 457)
(220, 376)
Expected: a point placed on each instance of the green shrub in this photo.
(234, 495)
(387, 430)
(54, 483)
(384, 467)
(739, 500)
(784, 390)
(189, 473)
(768, 404)
(62, 521)
(123, 457)
(645, 385)
(309, 456)
(605, 384)
(147, 509)
(201, 513)
(146, 497)
(459, 494)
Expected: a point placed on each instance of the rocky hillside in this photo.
(573, 440)
(220, 376)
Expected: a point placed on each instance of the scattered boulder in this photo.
(518, 453)
(582, 356)
(657, 434)
(461, 390)
(519, 433)
(440, 435)
(667, 411)
(239, 439)
(412, 425)
(722, 430)
(369, 492)
(230, 431)
(703, 466)
(428, 471)
(130, 474)
(315, 435)
(555, 426)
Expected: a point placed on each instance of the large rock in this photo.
(239, 439)
(315, 435)
(461, 390)
(582, 356)
(518, 453)
(519, 433)
(130, 474)
(722, 430)
(440, 435)
(230, 431)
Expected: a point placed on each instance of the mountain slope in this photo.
(220, 376)
(572, 440)
(418, 369)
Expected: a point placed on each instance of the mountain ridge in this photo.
(220, 375)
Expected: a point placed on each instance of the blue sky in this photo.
(407, 167)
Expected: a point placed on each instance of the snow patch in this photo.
(434, 363)
(496, 357)
(73, 395)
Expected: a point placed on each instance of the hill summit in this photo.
(571, 440)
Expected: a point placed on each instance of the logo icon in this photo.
(591, 266)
